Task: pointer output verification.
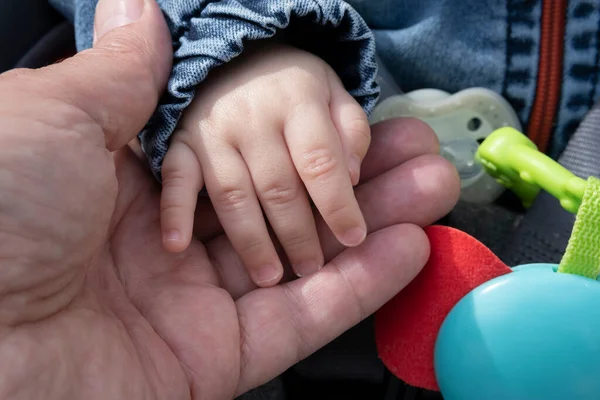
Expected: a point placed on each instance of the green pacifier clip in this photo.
(515, 162)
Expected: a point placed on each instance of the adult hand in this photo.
(91, 306)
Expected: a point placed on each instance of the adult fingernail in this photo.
(112, 14)
(354, 167)
(353, 237)
(267, 275)
(306, 268)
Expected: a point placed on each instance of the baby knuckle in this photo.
(175, 184)
(172, 205)
(250, 244)
(319, 163)
(279, 193)
(359, 128)
(296, 240)
(230, 199)
(307, 74)
(336, 211)
(172, 175)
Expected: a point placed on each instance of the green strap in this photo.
(582, 256)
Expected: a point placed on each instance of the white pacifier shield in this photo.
(461, 121)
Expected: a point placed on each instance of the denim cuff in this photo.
(215, 32)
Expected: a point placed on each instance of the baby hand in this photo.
(261, 132)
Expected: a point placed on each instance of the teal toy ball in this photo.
(533, 334)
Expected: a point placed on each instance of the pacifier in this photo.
(461, 122)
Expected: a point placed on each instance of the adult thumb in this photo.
(118, 82)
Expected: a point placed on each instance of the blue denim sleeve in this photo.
(208, 33)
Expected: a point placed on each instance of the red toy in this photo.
(406, 328)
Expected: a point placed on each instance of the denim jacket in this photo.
(208, 33)
(443, 44)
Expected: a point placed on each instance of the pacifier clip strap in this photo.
(582, 256)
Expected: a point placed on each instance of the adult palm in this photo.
(91, 306)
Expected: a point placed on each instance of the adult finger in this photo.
(116, 84)
(395, 142)
(295, 319)
(419, 192)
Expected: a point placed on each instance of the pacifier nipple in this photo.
(461, 153)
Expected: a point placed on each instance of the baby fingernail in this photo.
(112, 14)
(172, 236)
(306, 268)
(353, 237)
(267, 274)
